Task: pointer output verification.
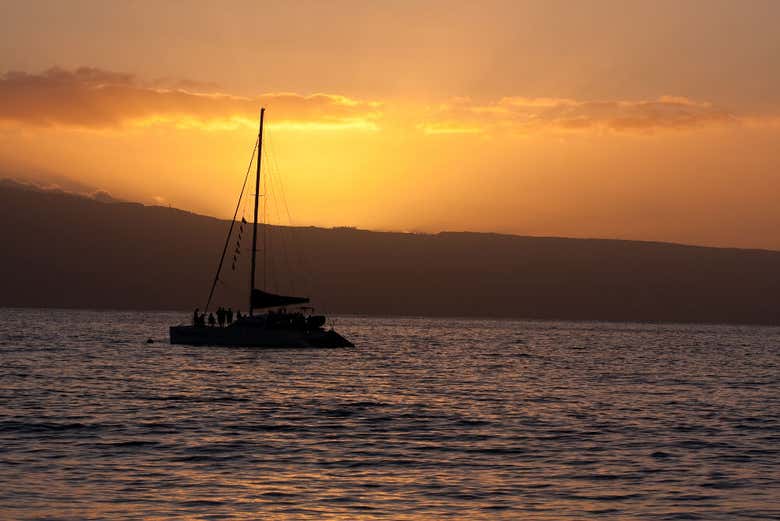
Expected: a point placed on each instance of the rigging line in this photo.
(278, 263)
(273, 269)
(284, 196)
(279, 231)
(288, 231)
(269, 236)
(285, 273)
(239, 242)
(302, 263)
(230, 230)
(282, 233)
(274, 232)
(243, 210)
(265, 233)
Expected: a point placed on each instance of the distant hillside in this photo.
(62, 250)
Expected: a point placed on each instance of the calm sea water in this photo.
(425, 419)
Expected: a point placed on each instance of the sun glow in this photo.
(517, 164)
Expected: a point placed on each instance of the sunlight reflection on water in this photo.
(471, 419)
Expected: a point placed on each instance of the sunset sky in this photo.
(639, 120)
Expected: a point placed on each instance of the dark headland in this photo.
(63, 250)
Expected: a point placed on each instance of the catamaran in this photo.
(278, 326)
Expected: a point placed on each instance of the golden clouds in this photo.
(94, 98)
(525, 115)
(97, 99)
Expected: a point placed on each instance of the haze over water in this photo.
(425, 419)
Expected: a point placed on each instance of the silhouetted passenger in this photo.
(238, 316)
(298, 321)
(196, 317)
(212, 320)
(221, 316)
(229, 315)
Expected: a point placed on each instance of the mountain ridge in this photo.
(70, 250)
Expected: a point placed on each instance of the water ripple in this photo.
(425, 419)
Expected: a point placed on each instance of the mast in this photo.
(257, 195)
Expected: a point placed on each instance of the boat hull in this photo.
(238, 336)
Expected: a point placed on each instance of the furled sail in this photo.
(262, 299)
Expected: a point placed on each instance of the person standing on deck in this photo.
(212, 321)
(229, 315)
(221, 316)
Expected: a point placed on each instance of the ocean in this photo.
(424, 419)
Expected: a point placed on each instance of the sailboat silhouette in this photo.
(277, 327)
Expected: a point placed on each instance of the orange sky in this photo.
(642, 120)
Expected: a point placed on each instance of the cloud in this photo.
(102, 196)
(99, 99)
(522, 115)
(449, 127)
(95, 98)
